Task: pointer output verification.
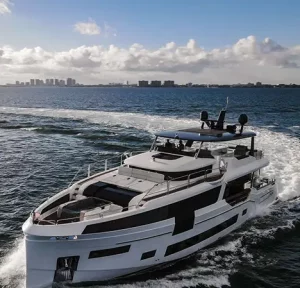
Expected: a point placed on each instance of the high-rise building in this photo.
(56, 82)
(17, 82)
(47, 82)
(62, 83)
(169, 83)
(31, 82)
(155, 83)
(42, 82)
(51, 82)
(37, 82)
(143, 83)
(69, 82)
(73, 82)
(22, 83)
(27, 83)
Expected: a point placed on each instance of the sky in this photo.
(199, 41)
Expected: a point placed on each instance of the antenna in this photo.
(227, 103)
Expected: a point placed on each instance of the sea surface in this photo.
(47, 134)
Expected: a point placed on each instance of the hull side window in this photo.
(238, 190)
(109, 252)
(148, 254)
(179, 246)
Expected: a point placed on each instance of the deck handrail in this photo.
(188, 183)
(77, 218)
(116, 162)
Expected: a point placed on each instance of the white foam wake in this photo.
(282, 150)
(149, 123)
(12, 266)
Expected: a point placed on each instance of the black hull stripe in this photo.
(212, 217)
(182, 245)
(203, 221)
(185, 206)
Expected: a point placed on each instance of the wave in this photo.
(281, 149)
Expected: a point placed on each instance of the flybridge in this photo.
(213, 132)
(196, 134)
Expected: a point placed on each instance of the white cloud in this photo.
(87, 28)
(247, 60)
(4, 6)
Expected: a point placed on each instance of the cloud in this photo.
(4, 6)
(87, 28)
(246, 60)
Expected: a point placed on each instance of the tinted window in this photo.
(109, 252)
(236, 191)
(184, 207)
(148, 254)
(179, 246)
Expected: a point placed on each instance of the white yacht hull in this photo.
(210, 225)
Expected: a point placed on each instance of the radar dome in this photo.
(243, 119)
(204, 116)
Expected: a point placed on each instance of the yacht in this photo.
(153, 208)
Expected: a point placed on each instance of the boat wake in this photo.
(214, 266)
(12, 266)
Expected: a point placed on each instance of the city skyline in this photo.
(70, 82)
(104, 41)
(47, 82)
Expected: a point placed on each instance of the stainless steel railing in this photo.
(167, 188)
(103, 165)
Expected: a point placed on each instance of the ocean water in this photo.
(47, 134)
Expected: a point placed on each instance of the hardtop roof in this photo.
(204, 135)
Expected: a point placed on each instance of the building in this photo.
(169, 83)
(37, 82)
(31, 82)
(73, 82)
(258, 83)
(17, 83)
(69, 81)
(155, 83)
(143, 83)
(22, 83)
(56, 82)
(27, 83)
(47, 82)
(62, 83)
(51, 82)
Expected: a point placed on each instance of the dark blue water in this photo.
(47, 134)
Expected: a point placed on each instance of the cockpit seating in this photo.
(73, 208)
